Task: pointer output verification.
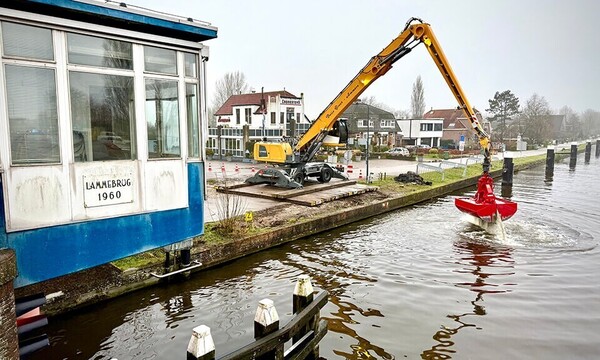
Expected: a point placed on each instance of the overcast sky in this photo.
(548, 47)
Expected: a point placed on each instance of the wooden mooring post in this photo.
(507, 171)
(573, 159)
(550, 157)
(588, 152)
(305, 330)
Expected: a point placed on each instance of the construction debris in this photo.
(411, 177)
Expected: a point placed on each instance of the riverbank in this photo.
(267, 230)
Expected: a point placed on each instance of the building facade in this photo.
(456, 126)
(244, 118)
(380, 126)
(100, 132)
(417, 132)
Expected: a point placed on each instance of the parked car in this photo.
(424, 146)
(402, 151)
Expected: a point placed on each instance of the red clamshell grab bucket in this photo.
(485, 205)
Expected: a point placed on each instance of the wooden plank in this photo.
(319, 198)
(315, 187)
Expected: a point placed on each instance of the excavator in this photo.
(293, 160)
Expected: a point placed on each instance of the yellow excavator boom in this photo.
(414, 33)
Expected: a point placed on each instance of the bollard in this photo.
(303, 295)
(201, 345)
(209, 167)
(266, 321)
(185, 257)
(597, 148)
(573, 161)
(588, 152)
(507, 171)
(360, 174)
(550, 161)
(9, 343)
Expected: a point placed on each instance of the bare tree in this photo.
(417, 99)
(590, 123)
(230, 84)
(534, 120)
(372, 101)
(402, 114)
(572, 122)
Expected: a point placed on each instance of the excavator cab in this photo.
(272, 152)
(338, 135)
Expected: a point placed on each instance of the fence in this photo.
(305, 330)
(440, 166)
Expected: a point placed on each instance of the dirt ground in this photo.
(272, 213)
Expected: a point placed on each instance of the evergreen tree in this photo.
(503, 106)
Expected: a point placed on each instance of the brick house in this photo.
(455, 125)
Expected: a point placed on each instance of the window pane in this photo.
(160, 60)
(191, 64)
(162, 118)
(95, 51)
(27, 41)
(102, 117)
(191, 99)
(32, 115)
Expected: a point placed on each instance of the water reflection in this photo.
(480, 259)
(339, 275)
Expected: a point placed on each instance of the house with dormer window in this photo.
(272, 115)
(456, 125)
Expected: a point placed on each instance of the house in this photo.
(381, 125)
(254, 116)
(557, 126)
(455, 126)
(418, 132)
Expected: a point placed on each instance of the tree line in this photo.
(534, 120)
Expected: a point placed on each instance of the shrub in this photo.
(433, 151)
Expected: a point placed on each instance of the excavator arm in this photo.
(414, 33)
(437, 54)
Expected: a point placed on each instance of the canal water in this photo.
(418, 283)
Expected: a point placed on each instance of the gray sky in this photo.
(314, 47)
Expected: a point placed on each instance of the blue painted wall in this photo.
(49, 252)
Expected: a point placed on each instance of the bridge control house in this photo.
(101, 110)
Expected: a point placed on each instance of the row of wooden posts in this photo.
(305, 330)
(508, 168)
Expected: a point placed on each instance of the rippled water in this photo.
(415, 283)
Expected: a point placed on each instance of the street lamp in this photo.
(358, 102)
